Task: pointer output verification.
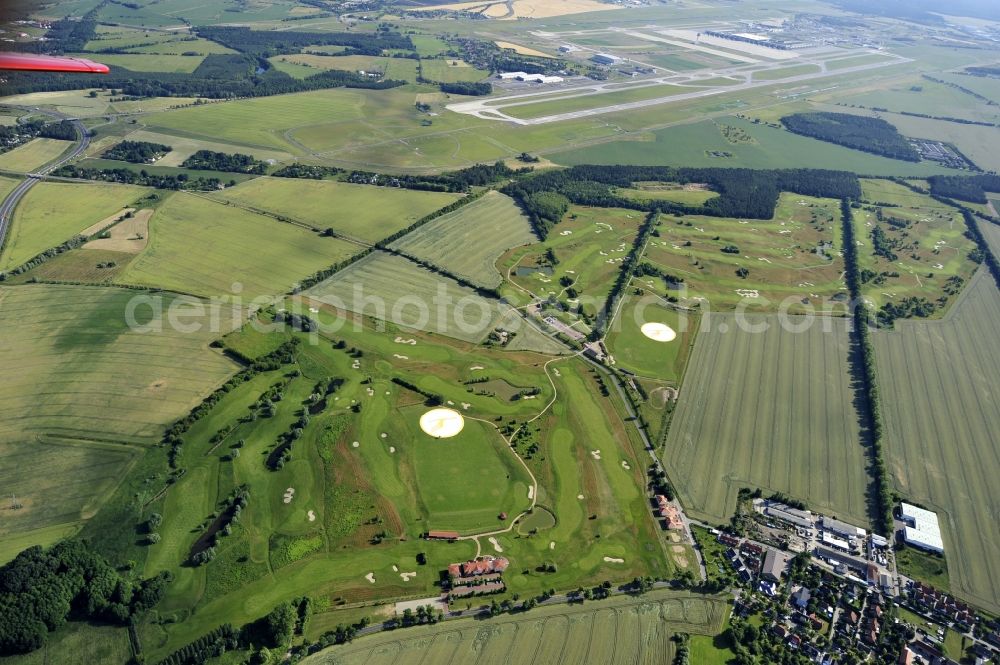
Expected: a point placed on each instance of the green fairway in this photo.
(590, 245)
(360, 211)
(748, 417)
(33, 154)
(692, 145)
(791, 262)
(469, 241)
(660, 191)
(617, 631)
(941, 448)
(927, 238)
(647, 357)
(53, 212)
(205, 247)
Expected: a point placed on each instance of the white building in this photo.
(923, 530)
(530, 78)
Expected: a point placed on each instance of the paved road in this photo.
(10, 203)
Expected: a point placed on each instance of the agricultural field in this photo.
(307, 64)
(150, 62)
(927, 239)
(33, 154)
(694, 145)
(356, 211)
(622, 630)
(430, 302)
(919, 95)
(197, 245)
(53, 212)
(80, 642)
(469, 241)
(748, 417)
(85, 391)
(589, 244)
(979, 144)
(791, 262)
(77, 103)
(941, 449)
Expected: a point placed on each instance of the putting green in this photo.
(442, 423)
(658, 332)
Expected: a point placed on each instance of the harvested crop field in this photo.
(129, 236)
(619, 630)
(469, 241)
(31, 155)
(374, 286)
(939, 382)
(750, 415)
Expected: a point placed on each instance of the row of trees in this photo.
(209, 160)
(860, 132)
(970, 188)
(629, 266)
(267, 43)
(478, 175)
(865, 353)
(128, 176)
(41, 589)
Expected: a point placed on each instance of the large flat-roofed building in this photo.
(800, 518)
(842, 528)
(923, 530)
(530, 78)
(604, 59)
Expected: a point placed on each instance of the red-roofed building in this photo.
(442, 535)
(486, 565)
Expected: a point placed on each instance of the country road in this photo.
(10, 203)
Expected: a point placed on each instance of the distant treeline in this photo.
(12, 135)
(859, 132)
(744, 193)
(209, 160)
(991, 72)
(267, 43)
(466, 88)
(971, 188)
(136, 152)
(478, 175)
(144, 178)
(220, 76)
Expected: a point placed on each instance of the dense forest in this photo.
(209, 160)
(971, 188)
(743, 193)
(465, 88)
(137, 152)
(14, 135)
(872, 135)
(130, 177)
(41, 589)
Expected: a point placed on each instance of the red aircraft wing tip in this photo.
(27, 62)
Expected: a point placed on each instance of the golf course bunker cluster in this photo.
(658, 332)
(442, 423)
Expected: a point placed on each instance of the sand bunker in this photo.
(392, 449)
(496, 544)
(312, 516)
(531, 492)
(611, 559)
(370, 577)
(596, 454)
(442, 423)
(552, 544)
(626, 466)
(407, 576)
(580, 497)
(289, 494)
(356, 444)
(400, 340)
(658, 332)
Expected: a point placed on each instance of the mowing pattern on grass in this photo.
(394, 289)
(939, 383)
(204, 247)
(615, 631)
(360, 211)
(53, 212)
(641, 355)
(469, 241)
(750, 415)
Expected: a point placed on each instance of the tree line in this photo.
(971, 188)
(209, 160)
(859, 132)
(40, 590)
(743, 193)
(267, 43)
(142, 177)
(137, 152)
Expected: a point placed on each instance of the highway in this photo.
(10, 203)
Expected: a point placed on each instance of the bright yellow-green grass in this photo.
(784, 72)
(205, 247)
(184, 45)
(184, 146)
(615, 631)
(449, 70)
(145, 62)
(937, 380)
(579, 103)
(469, 241)
(6, 185)
(77, 103)
(53, 212)
(391, 68)
(748, 416)
(31, 155)
(361, 211)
